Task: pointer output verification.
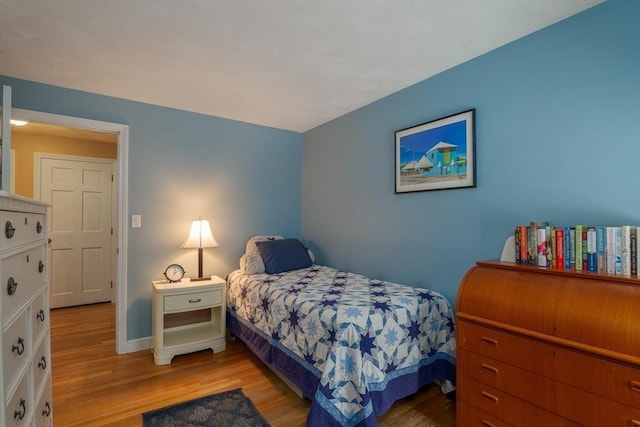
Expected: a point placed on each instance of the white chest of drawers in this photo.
(25, 376)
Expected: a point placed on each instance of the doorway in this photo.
(120, 203)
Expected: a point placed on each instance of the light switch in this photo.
(136, 221)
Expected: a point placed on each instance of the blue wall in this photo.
(245, 179)
(558, 139)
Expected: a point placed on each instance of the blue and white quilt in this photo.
(353, 345)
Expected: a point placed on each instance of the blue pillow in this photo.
(283, 255)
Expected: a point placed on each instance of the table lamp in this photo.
(200, 237)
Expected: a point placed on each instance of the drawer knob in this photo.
(489, 341)
(195, 301)
(635, 423)
(42, 364)
(635, 385)
(12, 286)
(490, 369)
(18, 348)
(47, 409)
(38, 227)
(40, 315)
(9, 231)
(486, 423)
(40, 266)
(490, 397)
(18, 415)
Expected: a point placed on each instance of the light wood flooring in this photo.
(93, 386)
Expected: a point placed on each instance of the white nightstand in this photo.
(187, 317)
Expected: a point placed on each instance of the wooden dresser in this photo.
(25, 385)
(543, 347)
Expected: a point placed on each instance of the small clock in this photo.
(174, 273)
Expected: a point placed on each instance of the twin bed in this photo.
(350, 344)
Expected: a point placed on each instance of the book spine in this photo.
(611, 252)
(567, 248)
(533, 245)
(601, 244)
(542, 247)
(554, 248)
(578, 247)
(585, 253)
(617, 250)
(548, 229)
(572, 248)
(625, 249)
(592, 252)
(516, 242)
(633, 238)
(524, 245)
(559, 248)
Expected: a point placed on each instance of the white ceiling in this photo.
(289, 64)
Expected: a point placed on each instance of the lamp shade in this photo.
(200, 235)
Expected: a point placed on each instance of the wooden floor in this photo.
(93, 386)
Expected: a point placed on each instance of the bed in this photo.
(351, 344)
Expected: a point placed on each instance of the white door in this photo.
(79, 221)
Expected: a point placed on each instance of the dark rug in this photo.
(228, 409)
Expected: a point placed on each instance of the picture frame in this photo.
(436, 155)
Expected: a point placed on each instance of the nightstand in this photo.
(188, 317)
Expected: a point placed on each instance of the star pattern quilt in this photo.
(353, 345)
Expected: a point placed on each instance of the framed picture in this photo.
(437, 155)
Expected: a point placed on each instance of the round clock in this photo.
(174, 273)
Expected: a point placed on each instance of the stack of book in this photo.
(598, 249)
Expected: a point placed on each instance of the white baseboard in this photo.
(139, 345)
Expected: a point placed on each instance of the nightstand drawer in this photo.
(192, 301)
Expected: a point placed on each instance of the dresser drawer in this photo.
(40, 316)
(16, 350)
(525, 353)
(520, 383)
(27, 227)
(591, 410)
(469, 416)
(192, 301)
(593, 374)
(21, 276)
(44, 408)
(506, 407)
(606, 378)
(41, 364)
(18, 409)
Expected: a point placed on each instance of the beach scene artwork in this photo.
(436, 155)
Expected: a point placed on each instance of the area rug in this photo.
(228, 409)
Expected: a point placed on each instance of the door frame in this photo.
(121, 208)
(37, 192)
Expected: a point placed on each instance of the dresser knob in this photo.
(42, 364)
(39, 227)
(490, 397)
(486, 423)
(40, 315)
(18, 348)
(635, 385)
(47, 409)
(12, 286)
(9, 231)
(40, 267)
(490, 369)
(18, 415)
